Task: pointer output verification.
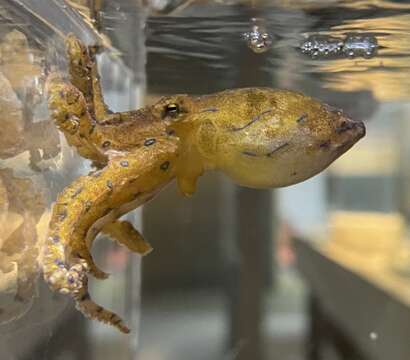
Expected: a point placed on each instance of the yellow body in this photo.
(260, 137)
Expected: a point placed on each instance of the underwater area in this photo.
(305, 262)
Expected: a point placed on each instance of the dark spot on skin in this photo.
(106, 144)
(106, 212)
(294, 173)
(209, 110)
(164, 166)
(170, 132)
(92, 129)
(124, 163)
(85, 297)
(345, 126)
(280, 147)
(249, 153)
(78, 255)
(253, 120)
(149, 142)
(109, 185)
(114, 120)
(302, 118)
(77, 192)
(55, 239)
(325, 145)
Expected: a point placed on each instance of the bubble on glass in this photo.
(166, 6)
(326, 46)
(258, 39)
(321, 45)
(360, 45)
(373, 336)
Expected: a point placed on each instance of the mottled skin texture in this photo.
(260, 137)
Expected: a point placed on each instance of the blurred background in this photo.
(319, 270)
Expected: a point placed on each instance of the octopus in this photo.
(259, 137)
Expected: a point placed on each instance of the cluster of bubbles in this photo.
(258, 39)
(354, 45)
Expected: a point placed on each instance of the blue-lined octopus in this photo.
(260, 137)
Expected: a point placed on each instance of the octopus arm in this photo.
(84, 75)
(125, 234)
(86, 206)
(69, 111)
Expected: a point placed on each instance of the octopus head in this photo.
(262, 137)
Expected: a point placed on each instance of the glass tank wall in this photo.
(317, 270)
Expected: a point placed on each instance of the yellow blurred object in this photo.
(368, 237)
(8, 287)
(11, 222)
(21, 207)
(375, 157)
(401, 259)
(18, 62)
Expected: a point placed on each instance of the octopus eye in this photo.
(172, 110)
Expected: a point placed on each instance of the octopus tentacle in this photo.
(84, 75)
(93, 269)
(88, 204)
(69, 111)
(125, 234)
(93, 311)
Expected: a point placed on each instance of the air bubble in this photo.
(258, 39)
(373, 336)
(321, 45)
(354, 45)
